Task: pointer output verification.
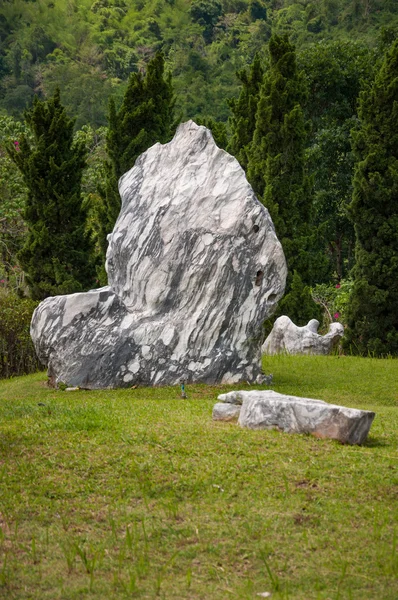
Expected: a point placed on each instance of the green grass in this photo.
(139, 494)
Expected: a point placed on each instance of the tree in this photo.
(276, 168)
(56, 255)
(146, 116)
(13, 194)
(373, 307)
(244, 109)
(334, 72)
(206, 13)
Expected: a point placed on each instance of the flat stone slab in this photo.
(267, 409)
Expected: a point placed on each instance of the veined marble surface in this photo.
(266, 409)
(288, 337)
(194, 268)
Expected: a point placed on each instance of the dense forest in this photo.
(283, 85)
(89, 49)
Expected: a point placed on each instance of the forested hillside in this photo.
(280, 83)
(89, 48)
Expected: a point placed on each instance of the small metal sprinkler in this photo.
(183, 394)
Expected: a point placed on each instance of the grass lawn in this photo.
(139, 494)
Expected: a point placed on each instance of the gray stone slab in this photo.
(266, 409)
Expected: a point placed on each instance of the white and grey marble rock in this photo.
(226, 412)
(194, 267)
(266, 409)
(288, 337)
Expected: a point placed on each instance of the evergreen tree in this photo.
(373, 306)
(276, 170)
(145, 117)
(56, 255)
(244, 109)
(334, 72)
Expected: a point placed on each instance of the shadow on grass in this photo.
(375, 442)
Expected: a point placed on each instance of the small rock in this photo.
(72, 389)
(288, 337)
(215, 485)
(231, 398)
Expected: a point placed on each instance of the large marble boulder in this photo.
(194, 267)
(288, 337)
(266, 409)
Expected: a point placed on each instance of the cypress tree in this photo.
(244, 109)
(57, 255)
(146, 116)
(276, 170)
(373, 306)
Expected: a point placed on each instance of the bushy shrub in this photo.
(333, 299)
(17, 354)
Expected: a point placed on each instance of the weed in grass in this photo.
(274, 579)
(161, 573)
(189, 577)
(113, 528)
(129, 539)
(4, 572)
(340, 582)
(35, 557)
(130, 587)
(70, 552)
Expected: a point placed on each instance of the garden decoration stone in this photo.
(266, 409)
(194, 268)
(288, 337)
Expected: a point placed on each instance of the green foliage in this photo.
(89, 49)
(334, 300)
(56, 255)
(298, 303)
(334, 73)
(146, 116)
(244, 109)
(206, 13)
(276, 169)
(85, 90)
(13, 193)
(279, 135)
(373, 309)
(257, 10)
(93, 181)
(17, 354)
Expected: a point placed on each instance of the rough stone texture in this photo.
(269, 410)
(226, 412)
(194, 267)
(287, 337)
